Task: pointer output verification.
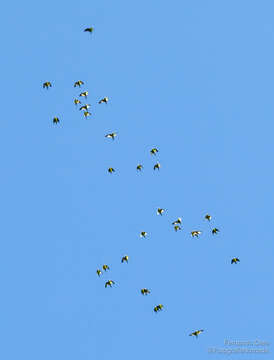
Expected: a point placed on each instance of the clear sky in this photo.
(192, 78)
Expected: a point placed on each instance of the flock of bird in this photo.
(176, 224)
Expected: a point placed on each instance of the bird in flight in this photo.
(215, 231)
(157, 166)
(154, 151)
(124, 259)
(78, 83)
(234, 261)
(86, 114)
(90, 29)
(112, 135)
(160, 211)
(143, 234)
(85, 94)
(196, 333)
(178, 221)
(99, 272)
(208, 217)
(109, 283)
(104, 100)
(111, 170)
(158, 308)
(105, 267)
(77, 101)
(139, 167)
(56, 120)
(195, 233)
(46, 84)
(85, 107)
(177, 227)
(145, 291)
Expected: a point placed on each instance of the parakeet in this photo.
(208, 217)
(109, 283)
(78, 83)
(143, 234)
(112, 135)
(158, 308)
(196, 333)
(124, 258)
(234, 261)
(90, 29)
(105, 267)
(46, 84)
(77, 101)
(85, 94)
(178, 221)
(99, 272)
(195, 233)
(56, 120)
(104, 100)
(145, 291)
(86, 114)
(154, 151)
(85, 107)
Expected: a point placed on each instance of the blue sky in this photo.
(194, 79)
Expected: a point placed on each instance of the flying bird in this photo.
(196, 333)
(145, 291)
(105, 267)
(177, 227)
(85, 94)
(139, 167)
(104, 100)
(76, 101)
(86, 114)
(124, 258)
(56, 120)
(46, 84)
(143, 234)
(111, 170)
(215, 231)
(157, 166)
(99, 272)
(208, 217)
(195, 233)
(112, 135)
(160, 211)
(85, 107)
(154, 151)
(78, 83)
(178, 221)
(158, 307)
(109, 283)
(234, 261)
(90, 29)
